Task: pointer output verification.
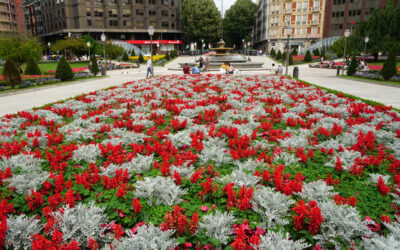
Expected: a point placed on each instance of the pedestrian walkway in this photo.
(13, 103)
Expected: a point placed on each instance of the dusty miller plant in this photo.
(20, 229)
(278, 240)
(317, 191)
(88, 153)
(218, 225)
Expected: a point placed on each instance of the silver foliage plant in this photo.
(379, 242)
(82, 222)
(147, 237)
(20, 229)
(272, 206)
(162, 189)
(88, 153)
(278, 241)
(318, 191)
(218, 226)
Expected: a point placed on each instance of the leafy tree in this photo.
(19, 49)
(389, 67)
(94, 68)
(272, 53)
(201, 20)
(316, 52)
(294, 51)
(308, 57)
(239, 21)
(94, 45)
(113, 51)
(32, 68)
(278, 55)
(64, 71)
(167, 56)
(70, 46)
(125, 57)
(141, 59)
(353, 67)
(11, 73)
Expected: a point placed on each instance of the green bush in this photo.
(272, 53)
(167, 56)
(125, 57)
(389, 67)
(278, 55)
(294, 52)
(353, 67)
(323, 54)
(308, 57)
(316, 52)
(141, 59)
(64, 71)
(133, 52)
(290, 60)
(32, 68)
(11, 73)
(94, 68)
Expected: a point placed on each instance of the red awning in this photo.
(154, 41)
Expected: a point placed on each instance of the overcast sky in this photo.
(227, 4)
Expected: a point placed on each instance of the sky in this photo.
(227, 4)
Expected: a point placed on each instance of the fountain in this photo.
(222, 55)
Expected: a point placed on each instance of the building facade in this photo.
(346, 14)
(306, 17)
(33, 17)
(118, 19)
(11, 17)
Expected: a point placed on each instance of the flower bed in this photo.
(75, 70)
(297, 58)
(201, 161)
(27, 77)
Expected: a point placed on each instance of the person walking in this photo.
(321, 62)
(149, 67)
(207, 66)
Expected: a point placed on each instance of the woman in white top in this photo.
(149, 67)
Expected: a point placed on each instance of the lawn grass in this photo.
(372, 80)
(45, 67)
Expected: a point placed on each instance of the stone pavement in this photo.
(12, 103)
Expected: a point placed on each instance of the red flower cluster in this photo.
(178, 220)
(308, 215)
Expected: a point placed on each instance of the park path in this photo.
(12, 103)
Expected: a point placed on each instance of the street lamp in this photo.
(243, 43)
(150, 30)
(365, 47)
(88, 46)
(103, 39)
(48, 44)
(346, 35)
(202, 45)
(288, 32)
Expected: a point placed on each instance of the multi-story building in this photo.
(345, 14)
(118, 19)
(33, 17)
(306, 17)
(11, 16)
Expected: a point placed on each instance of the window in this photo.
(297, 31)
(298, 18)
(314, 30)
(343, 1)
(334, 2)
(89, 22)
(152, 1)
(88, 12)
(165, 24)
(172, 25)
(113, 1)
(127, 23)
(316, 5)
(350, 12)
(299, 6)
(139, 1)
(152, 12)
(304, 31)
(126, 13)
(113, 13)
(333, 14)
(172, 3)
(172, 14)
(139, 24)
(342, 13)
(98, 12)
(113, 22)
(165, 2)
(127, 1)
(354, 12)
(358, 12)
(139, 12)
(304, 19)
(305, 6)
(164, 13)
(340, 26)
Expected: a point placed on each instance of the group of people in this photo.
(277, 70)
(227, 68)
(201, 65)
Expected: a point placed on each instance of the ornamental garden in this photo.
(202, 162)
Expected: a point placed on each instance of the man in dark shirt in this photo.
(186, 69)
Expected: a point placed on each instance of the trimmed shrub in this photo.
(294, 52)
(11, 73)
(272, 53)
(353, 67)
(133, 52)
(389, 67)
(323, 53)
(308, 57)
(141, 59)
(316, 52)
(167, 56)
(278, 55)
(64, 71)
(125, 57)
(94, 68)
(290, 60)
(32, 68)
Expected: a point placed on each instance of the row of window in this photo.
(128, 23)
(163, 2)
(338, 2)
(351, 13)
(297, 31)
(98, 12)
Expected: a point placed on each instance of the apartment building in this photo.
(33, 17)
(306, 17)
(11, 17)
(346, 14)
(118, 19)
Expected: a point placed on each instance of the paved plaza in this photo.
(14, 102)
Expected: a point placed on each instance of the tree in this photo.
(125, 57)
(290, 60)
(94, 67)
(272, 53)
(316, 52)
(353, 67)
(141, 59)
(32, 68)
(308, 57)
(294, 51)
(11, 73)
(167, 56)
(239, 21)
(19, 49)
(71, 46)
(113, 51)
(389, 67)
(323, 53)
(201, 20)
(64, 71)
(278, 55)
(133, 52)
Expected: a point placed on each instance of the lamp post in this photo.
(202, 45)
(88, 46)
(103, 39)
(288, 32)
(366, 40)
(346, 35)
(243, 43)
(48, 44)
(150, 30)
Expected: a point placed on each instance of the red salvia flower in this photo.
(70, 198)
(137, 207)
(382, 187)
